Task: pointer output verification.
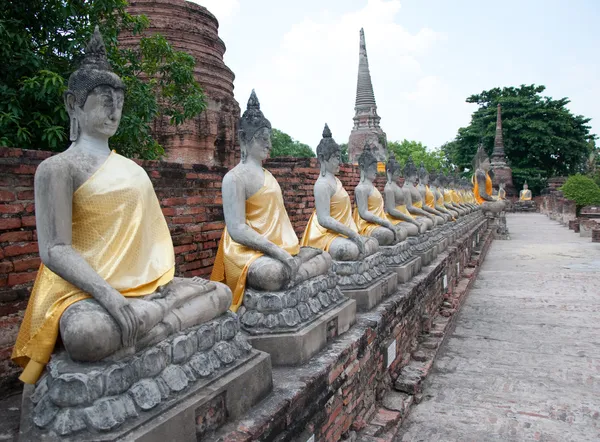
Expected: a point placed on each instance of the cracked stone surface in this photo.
(524, 360)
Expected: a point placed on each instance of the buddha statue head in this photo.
(367, 163)
(423, 175)
(94, 98)
(442, 180)
(410, 172)
(328, 153)
(392, 168)
(254, 132)
(525, 186)
(434, 177)
(481, 160)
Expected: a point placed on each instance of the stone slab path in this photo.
(523, 363)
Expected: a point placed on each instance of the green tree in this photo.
(432, 159)
(42, 43)
(286, 146)
(344, 153)
(542, 138)
(581, 189)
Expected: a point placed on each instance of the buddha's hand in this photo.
(120, 309)
(358, 240)
(293, 266)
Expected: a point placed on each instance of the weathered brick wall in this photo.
(190, 195)
(557, 207)
(338, 391)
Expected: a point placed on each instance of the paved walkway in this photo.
(524, 361)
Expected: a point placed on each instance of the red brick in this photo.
(25, 195)
(20, 278)
(6, 196)
(26, 264)
(173, 202)
(11, 208)
(10, 223)
(6, 267)
(25, 169)
(185, 248)
(28, 221)
(21, 249)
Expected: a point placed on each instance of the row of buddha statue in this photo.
(106, 301)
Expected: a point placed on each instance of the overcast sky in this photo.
(425, 57)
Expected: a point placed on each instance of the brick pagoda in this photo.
(366, 129)
(210, 138)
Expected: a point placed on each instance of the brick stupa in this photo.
(210, 138)
(502, 171)
(366, 131)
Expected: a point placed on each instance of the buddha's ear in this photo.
(70, 101)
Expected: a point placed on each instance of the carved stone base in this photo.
(292, 325)
(368, 297)
(407, 270)
(422, 246)
(297, 347)
(352, 274)
(152, 395)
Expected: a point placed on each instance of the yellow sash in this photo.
(340, 209)
(455, 197)
(375, 206)
(119, 229)
(447, 196)
(418, 204)
(525, 195)
(488, 187)
(266, 214)
(429, 198)
(401, 208)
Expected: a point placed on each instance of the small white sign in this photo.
(311, 439)
(478, 238)
(391, 353)
(445, 282)
(458, 269)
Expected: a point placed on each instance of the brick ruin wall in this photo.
(340, 388)
(190, 195)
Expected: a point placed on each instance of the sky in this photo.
(425, 56)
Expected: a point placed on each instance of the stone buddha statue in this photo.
(395, 201)
(369, 215)
(437, 190)
(106, 283)
(457, 197)
(467, 193)
(412, 196)
(525, 194)
(446, 193)
(259, 247)
(427, 196)
(331, 227)
(501, 191)
(482, 183)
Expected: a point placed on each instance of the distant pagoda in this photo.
(366, 131)
(502, 171)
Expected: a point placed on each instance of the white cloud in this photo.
(310, 78)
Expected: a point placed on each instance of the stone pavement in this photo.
(524, 360)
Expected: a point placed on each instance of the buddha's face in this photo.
(101, 113)
(393, 176)
(411, 179)
(371, 172)
(332, 165)
(485, 165)
(260, 144)
(424, 179)
(525, 187)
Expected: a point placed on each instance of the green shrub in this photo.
(581, 189)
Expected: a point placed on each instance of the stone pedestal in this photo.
(400, 259)
(367, 281)
(154, 395)
(293, 325)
